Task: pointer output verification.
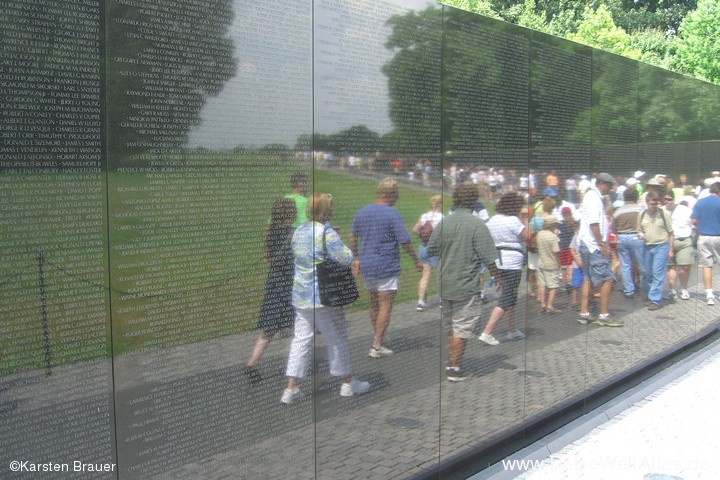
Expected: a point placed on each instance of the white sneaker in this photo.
(383, 351)
(421, 306)
(671, 294)
(354, 387)
(290, 395)
(711, 300)
(489, 339)
(515, 335)
(684, 294)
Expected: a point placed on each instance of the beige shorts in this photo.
(461, 316)
(708, 250)
(549, 278)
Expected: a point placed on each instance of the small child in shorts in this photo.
(548, 264)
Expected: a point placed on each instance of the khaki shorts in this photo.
(461, 316)
(683, 251)
(549, 278)
(708, 250)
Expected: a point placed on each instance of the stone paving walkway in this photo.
(189, 411)
(669, 432)
(413, 418)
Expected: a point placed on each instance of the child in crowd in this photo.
(548, 264)
(567, 230)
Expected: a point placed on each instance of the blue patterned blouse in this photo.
(307, 247)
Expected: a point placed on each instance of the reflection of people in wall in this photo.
(552, 180)
(655, 226)
(679, 264)
(546, 205)
(510, 235)
(595, 252)
(464, 244)
(630, 246)
(376, 234)
(706, 218)
(432, 218)
(299, 184)
(276, 311)
(307, 246)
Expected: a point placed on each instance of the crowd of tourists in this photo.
(642, 233)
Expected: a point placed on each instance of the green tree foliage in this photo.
(483, 84)
(641, 29)
(657, 47)
(355, 140)
(598, 30)
(482, 7)
(699, 48)
(414, 80)
(528, 17)
(640, 15)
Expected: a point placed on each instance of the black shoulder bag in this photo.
(335, 281)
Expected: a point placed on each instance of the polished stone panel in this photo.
(153, 158)
(55, 372)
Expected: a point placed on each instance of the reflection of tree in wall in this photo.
(484, 86)
(163, 64)
(414, 81)
(356, 140)
(659, 120)
(615, 101)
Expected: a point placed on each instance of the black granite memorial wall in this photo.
(143, 146)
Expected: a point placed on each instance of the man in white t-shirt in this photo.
(679, 264)
(595, 252)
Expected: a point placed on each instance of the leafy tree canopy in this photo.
(597, 29)
(645, 30)
(699, 49)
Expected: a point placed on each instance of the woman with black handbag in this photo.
(313, 243)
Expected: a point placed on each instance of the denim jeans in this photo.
(630, 248)
(655, 265)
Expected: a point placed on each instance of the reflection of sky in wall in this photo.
(350, 88)
(270, 98)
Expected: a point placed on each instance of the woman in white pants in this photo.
(307, 245)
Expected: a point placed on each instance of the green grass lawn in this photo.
(184, 261)
(221, 292)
